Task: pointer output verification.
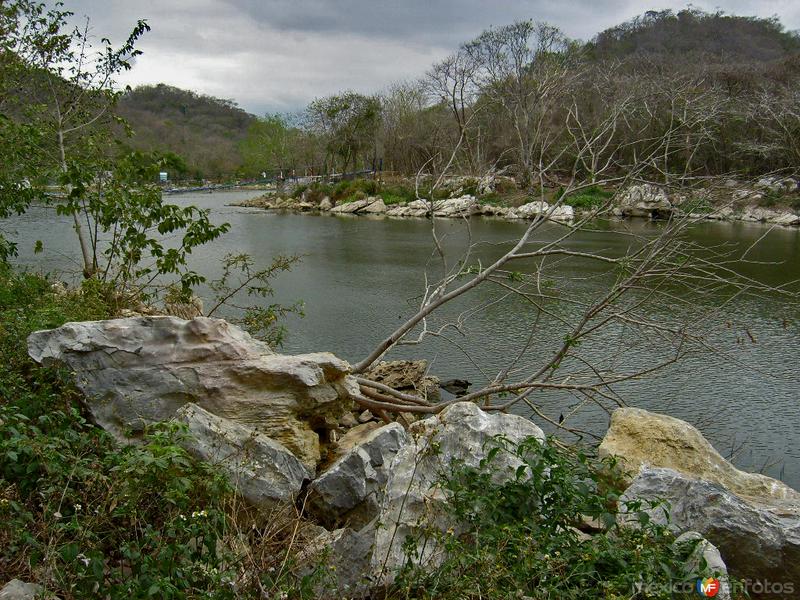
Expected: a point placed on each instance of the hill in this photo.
(205, 131)
(695, 32)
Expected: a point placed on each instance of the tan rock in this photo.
(640, 437)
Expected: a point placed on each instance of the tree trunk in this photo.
(88, 261)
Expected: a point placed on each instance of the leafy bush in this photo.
(298, 191)
(697, 206)
(588, 198)
(314, 192)
(520, 538)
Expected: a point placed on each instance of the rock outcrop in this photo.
(372, 204)
(531, 210)
(346, 553)
(415, 208)
(706, 560)
(645, 200)
(260, 469)
(413, 500)
(350, 491)
(639, 437)
(138, 371)
(756, 542)
(464, 206)
(19, 590)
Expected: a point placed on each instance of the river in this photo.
(359, 277)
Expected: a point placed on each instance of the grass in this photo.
(587, 199)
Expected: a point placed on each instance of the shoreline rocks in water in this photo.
(263, 419)
(637, 201)
(752, 519)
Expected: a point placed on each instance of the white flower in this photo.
(78, 508)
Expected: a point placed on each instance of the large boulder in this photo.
(777, 184)
(372, 204)
(530, 210)
(350, 491)
(378, 207)
(19, 590)
(139, 371)
(759, 543)
(413, 500)
(645, 200)
(639, 437)
(705, 560)
(260, 469)
(344, 553)
(561, 213)
(464, 206)
(415, 208)
(766, 215)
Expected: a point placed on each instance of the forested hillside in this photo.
(519, 96)
(205, 131)
(691, 32)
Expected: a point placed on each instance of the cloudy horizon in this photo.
(277, 55)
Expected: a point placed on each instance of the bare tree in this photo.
(452, 82)
(661, 294)
(525, 69)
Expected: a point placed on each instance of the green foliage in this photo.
(588, 198)
(348, 123)
(127, 208)
(270, 144)
(518, 538)
(240, 281)
(771, 198)
(697, 206)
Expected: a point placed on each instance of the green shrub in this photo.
(519, 538)
(298, 191)
(395, 194)
(588, 198)
(697, 206)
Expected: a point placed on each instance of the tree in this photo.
(661, 293)
(524, 70)
(270, 144)
(452, 82)
(59, 96)
(348, 124)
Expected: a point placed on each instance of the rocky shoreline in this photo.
(638, 201)
(284, 427)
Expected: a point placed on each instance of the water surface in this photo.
(360, 277)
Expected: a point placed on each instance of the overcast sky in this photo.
(276, 55)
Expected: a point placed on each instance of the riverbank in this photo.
(227, 493)
(769, 201)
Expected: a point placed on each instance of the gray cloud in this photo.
(278, 54)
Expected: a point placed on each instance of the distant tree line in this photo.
(522, 98)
